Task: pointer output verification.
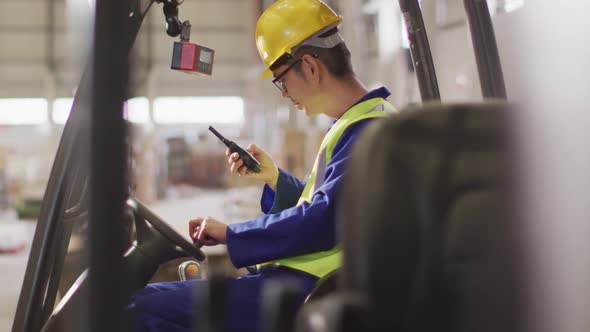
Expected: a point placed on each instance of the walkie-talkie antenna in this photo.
(249, 161)
(216, 133)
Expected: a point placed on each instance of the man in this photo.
(299, 44)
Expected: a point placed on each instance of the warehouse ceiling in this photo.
(42, 43)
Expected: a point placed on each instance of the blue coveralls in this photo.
(285, 230)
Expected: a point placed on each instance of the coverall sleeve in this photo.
(289, 190)
(298, 230)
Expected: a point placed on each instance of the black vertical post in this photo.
(485, 48)
(420, 50)
(210, 300)
(280, 300)
(107, 169)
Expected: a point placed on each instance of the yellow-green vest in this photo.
(323, 262)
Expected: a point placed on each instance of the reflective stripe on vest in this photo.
(323, 262)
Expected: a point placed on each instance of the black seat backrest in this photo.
(425, 221)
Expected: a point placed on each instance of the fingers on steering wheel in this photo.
(194, 225)
(200, 236)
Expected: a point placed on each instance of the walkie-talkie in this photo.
(249, 161)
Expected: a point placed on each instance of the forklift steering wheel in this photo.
(146, 220)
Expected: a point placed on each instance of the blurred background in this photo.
(178, 167)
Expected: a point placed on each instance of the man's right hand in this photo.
(269, 173)
(207, 231)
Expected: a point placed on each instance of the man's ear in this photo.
(311, 67)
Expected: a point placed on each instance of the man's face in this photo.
(292, 85)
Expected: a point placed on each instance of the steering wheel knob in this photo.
(189, 270)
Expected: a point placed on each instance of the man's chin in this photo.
(304, 109)
(307, 112)
(300, 107)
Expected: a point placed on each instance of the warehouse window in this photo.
(510, 5)
(137, 110)
(61, 110)
(23, 111)
(504, 6)
(188, 110)
(404, 34)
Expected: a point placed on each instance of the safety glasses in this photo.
(277, 80)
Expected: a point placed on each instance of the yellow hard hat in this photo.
(287, 23)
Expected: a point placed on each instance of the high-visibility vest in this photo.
(323, 262)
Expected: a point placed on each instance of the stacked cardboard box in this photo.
(4, 199)
(179, 160)
(207, 169)
(293, 152)
(300, 149)
(144, 169)
(314, 139)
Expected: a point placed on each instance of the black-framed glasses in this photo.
(277, 80)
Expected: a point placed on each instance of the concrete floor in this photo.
(229, 206)
(12, 266)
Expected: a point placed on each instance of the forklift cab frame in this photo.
(87, 186)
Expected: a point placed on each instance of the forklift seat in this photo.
(425, 220)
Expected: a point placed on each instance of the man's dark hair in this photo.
(336, 59)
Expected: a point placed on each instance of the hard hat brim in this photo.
(267, 73)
